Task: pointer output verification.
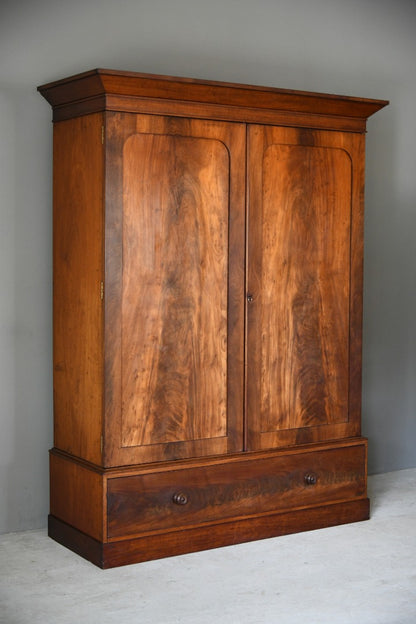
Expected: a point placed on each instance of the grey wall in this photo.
(355, 47)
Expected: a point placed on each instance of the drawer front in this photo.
(183, 497)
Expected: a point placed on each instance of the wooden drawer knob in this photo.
(180, 498)
(310, 478)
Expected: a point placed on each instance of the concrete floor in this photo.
(362, 573)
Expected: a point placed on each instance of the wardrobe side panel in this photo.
(78, 270)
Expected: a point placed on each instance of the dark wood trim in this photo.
(195, 539)
(75, 540)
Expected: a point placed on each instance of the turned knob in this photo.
(180, 498)
(310, 478)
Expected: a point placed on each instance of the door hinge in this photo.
(102, 134)
(102, 290)
(102, 444)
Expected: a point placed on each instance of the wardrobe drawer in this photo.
(234, 489)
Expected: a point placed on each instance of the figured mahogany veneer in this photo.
(174, 288)
(208, 244)
(169, 508)
(179, 498)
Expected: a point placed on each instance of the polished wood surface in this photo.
(244, 529)
(203, 537)
(246, 497)
(208, 247)
(77, 495)
(300, 226)
(80, 543)
(77, 275)
(104, 89)
(174, 288)
(174, 299)
(179, 498)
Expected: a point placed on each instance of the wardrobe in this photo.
(208, 248)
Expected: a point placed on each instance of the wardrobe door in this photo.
(174, 302)
(303, 285)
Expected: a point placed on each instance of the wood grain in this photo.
(234, 532)
(203, 537)
(356, 147)
(77, 496)
(300, 219)
(231, 258)
(174, 300)
(104, 89)
(142, 504)
(78, 271)
(246, 497)
(305, 286)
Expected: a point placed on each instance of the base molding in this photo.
(114, 517)
(73, 539)
(193, 539)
